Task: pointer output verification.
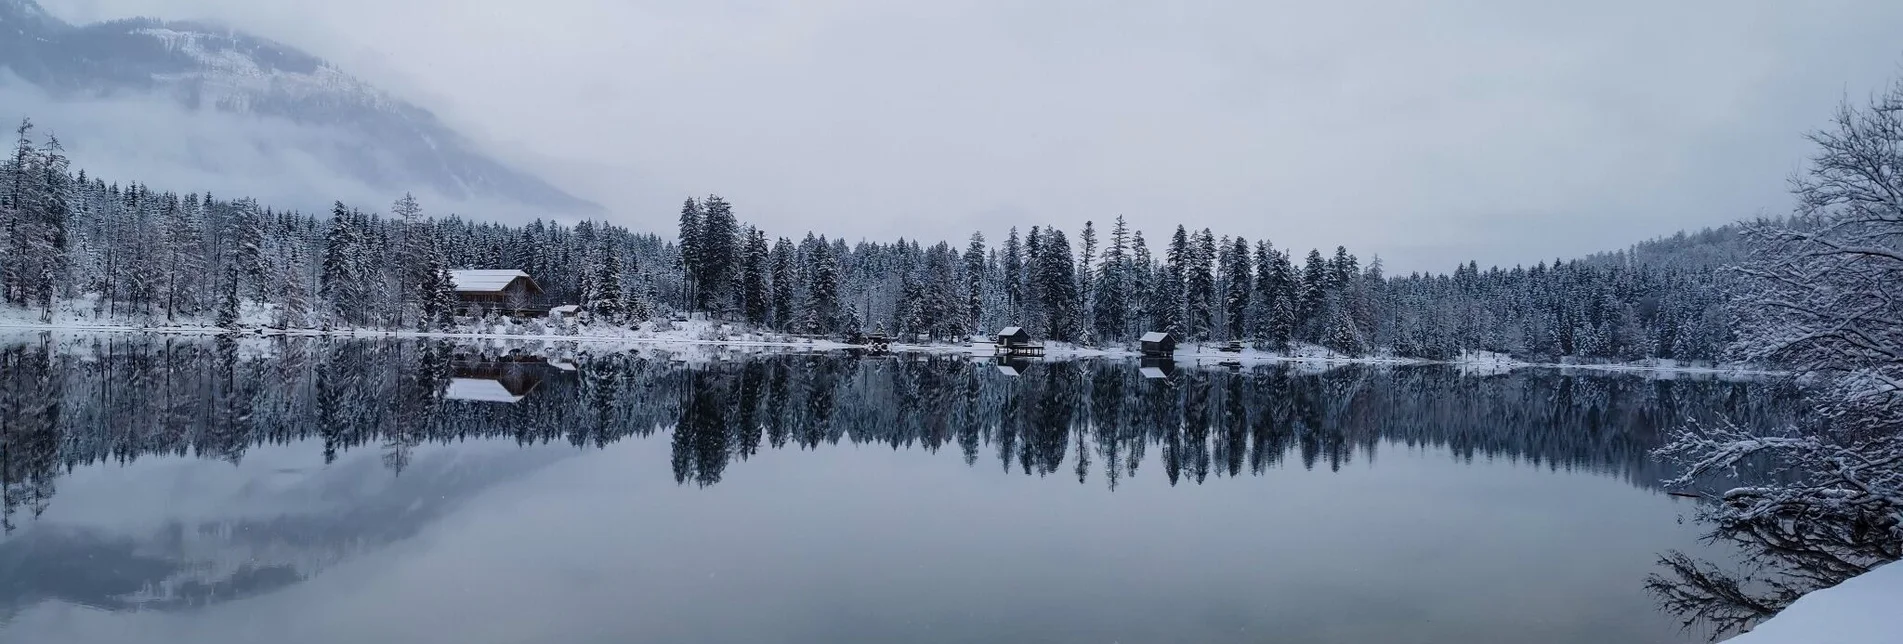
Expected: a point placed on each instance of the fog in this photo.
(152, 139)
(1426, 133)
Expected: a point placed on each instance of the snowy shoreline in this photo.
(1861, 610)
(1196, 354)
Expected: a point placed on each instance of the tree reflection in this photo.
(1813, 510)
(77, 401)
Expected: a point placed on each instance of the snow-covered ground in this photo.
(1867, 609)
(78, 315)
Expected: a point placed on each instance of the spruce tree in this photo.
(1237, 286)
(690, 252)
(1199, 284)
(228, 304)
(1111, 303)
(720, 257)
(1013, 277)
(755, 293)
(974, 283)
(1057, 283)
(785, 284)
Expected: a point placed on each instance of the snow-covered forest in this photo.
(127, 253)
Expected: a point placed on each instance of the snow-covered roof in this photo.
(566, 309)
(480, 390)
(1155, 336)
(1011, 330)
(1008, 370)
(1153, 372)
(483, 281)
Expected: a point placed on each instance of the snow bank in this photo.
(1867, 609)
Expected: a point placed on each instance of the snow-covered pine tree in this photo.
(786, 286)
(184, 258)
(1237, 282)
(974, 259)
(720, 256)
(1086, 278)
(1111, 304)
(610, 297)
(1143, 277)
(1311, 315)
(690, 253)
(1056, 278)
(410, 257)
(338, 280)
(822, 287)
(1179, 262)
(228, 300)
(438, 295)
(1199, 284)
(1013, 277)
(755, 291)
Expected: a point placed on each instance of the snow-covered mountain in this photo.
(361, 133)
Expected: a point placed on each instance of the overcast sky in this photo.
(1424, 132)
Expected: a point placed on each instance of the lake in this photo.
(201, 490)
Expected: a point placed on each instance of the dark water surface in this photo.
(309, 490)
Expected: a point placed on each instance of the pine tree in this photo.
(720, 256)
(1309, 318)
(1057, 283)
(1236, 291)
(610, 298)
(410, 254)
(1013, 277)
(1143, 278)
(822, 291)
(755, 293)
(253, 266)
(1086, 278)
(1199, 284)
(974, 283)
(228, 304)
(184, 257)
(338, 281)
(785, 284)
(1283, 290)
(1111, 306)
(1179, 261)
(691, 253)
(438, 294)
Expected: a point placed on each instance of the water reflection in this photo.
(98, 399)
(314, 414)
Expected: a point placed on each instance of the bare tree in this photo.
(1822, 295)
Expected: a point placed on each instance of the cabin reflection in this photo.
(504, 380)
(1012, 366)
(1157, 368)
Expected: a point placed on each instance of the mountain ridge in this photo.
(205, 67)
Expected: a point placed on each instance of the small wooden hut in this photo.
(1158, 343)
(1013, 337)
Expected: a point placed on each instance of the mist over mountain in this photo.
(187, 101)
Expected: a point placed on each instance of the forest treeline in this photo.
(116, 399)
(132, 253)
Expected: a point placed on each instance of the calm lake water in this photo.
(310, 490)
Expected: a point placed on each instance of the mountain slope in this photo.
(385, 143)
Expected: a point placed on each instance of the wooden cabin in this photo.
(508, 291)
(1013, 337)
(1158, 343)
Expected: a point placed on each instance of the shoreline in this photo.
(1199, 357)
